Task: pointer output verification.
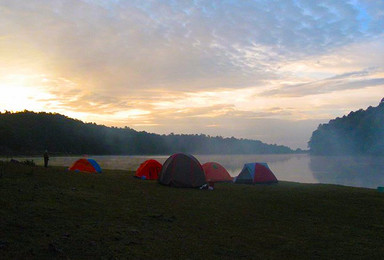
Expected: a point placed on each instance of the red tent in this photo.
(86, 165)
(215, 172)
(149, 170)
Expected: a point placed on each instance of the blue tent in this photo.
(253, 173)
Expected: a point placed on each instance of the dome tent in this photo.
(182, 170)
(256, 173)
(214, 172)
(149, 170)
(86, 165)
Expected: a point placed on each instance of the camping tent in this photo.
(86, 165)
(253, 173)
(149, 170)
(182, 170)
(214, 172)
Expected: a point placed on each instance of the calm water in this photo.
(350, 171)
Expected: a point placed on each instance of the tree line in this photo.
(359, 133)
(30, 133)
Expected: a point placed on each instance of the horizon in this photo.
(259, 70)
(123, 127)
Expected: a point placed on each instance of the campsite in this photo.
(191, 129)
(55, 213)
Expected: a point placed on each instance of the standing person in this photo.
(46, 158)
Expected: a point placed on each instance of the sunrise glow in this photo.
(121, 63)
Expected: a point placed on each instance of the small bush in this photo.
(29, 163)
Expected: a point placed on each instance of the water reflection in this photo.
(295, 168)
(361, 171)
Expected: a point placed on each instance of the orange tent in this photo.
(86, 165)
(149, 170)
(214, 172)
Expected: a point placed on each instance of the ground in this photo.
(49, 213)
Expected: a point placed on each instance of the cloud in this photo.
(193, 63)
(351, 80)
(131, 44)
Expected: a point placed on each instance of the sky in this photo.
(270, 70)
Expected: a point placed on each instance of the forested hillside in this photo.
(358, 133)
(28, 133)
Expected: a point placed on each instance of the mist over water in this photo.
(356, 171)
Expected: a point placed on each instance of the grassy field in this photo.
(50, 213)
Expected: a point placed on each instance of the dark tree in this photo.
(29, 133)
(360, 132)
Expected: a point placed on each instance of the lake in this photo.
(361, 171)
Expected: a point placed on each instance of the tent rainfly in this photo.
(182, 170)
(85, 165)
(149, 170)
(256, 173)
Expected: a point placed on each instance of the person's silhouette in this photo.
(46, 158)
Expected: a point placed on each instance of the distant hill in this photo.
(28, 133)
(358, 133)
